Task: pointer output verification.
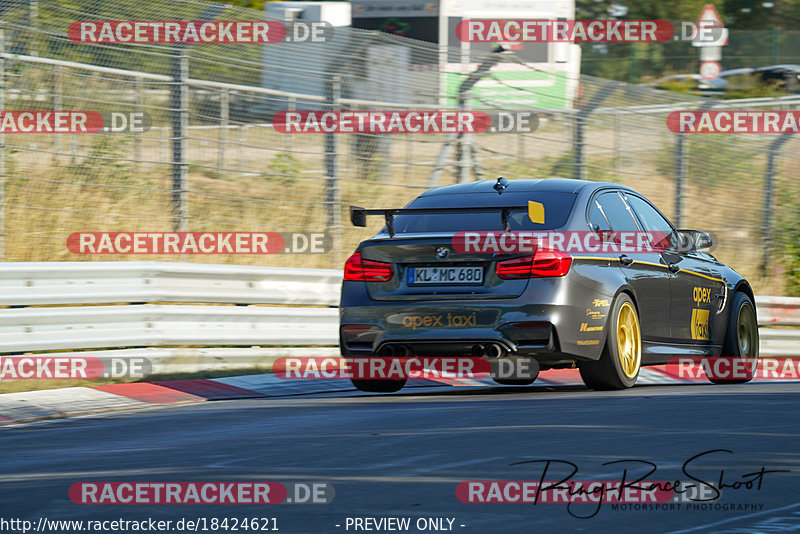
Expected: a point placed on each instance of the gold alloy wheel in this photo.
(746, 331)
(747, 337)
(629, 342)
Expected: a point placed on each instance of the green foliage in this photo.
(284, 168)
(646, 9)
(250, 4)
(106, 162)
(709, 160)
(789, 240)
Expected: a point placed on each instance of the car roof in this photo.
(555, 185)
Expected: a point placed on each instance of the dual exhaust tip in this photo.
(488, 350)
(395, 351)
(479, 350)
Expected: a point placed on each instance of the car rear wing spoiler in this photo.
(358, 216)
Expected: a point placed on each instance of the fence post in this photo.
(463, 151)
(58, 105)
(680, 177)
(137, 107)
(331, 181)
(769, 193)
(224, 112)
(579, 133)
(2, 145)
(287, 137)
(33, 20)
(775, 43)
(243, 128)
(618, 154)
(578, 142)
(409, 160)
(633, 64)
(179, 105)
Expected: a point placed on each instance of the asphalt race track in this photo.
(403, 455)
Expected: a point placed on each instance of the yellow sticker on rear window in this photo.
(536, 212)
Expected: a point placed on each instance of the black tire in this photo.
(514, 381)
(607, 372)
(379, 386)
(742, 309)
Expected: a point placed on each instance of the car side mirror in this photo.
(694, 240)
(702, 240)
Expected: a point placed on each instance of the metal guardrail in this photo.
(119, 305)
(782, 312)
(46, 283)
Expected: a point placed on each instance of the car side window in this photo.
(652, 220)
(597, 218)
(617, 212)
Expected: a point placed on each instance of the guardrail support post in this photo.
(179, 104)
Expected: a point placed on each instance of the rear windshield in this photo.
(557, 207)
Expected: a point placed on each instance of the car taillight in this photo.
(357, 268)
(544, 262)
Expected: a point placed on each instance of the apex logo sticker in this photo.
(700, 324)
(441, 319)
(701, 295)
(597, 303)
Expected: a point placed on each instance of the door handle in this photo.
(673, 267)
(625, 260)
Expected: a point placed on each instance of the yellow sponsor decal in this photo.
(443, 320)
(588, 342)
(600, 303)
(536, 212)
(586, 328)
(699, 324)
(701, 295)
(594, 314)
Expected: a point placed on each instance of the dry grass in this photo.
(260, 188)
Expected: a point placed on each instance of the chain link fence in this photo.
(638, 62)
(212, 160)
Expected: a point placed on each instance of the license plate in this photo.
(444, 275)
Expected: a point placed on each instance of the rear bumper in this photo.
(545, 322)
(519, 340)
